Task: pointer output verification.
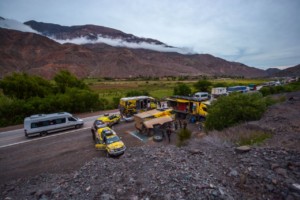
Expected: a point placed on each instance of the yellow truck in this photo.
(107, 139)
(129, 106)
(146, 121)
(190, 108)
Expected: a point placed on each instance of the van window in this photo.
(60, 120)
(48, 122)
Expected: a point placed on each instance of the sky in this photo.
(258, 33)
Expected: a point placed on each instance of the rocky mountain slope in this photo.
(35, 54)
(206, 168)
(92, 32)
(272, 71)
(291, 72)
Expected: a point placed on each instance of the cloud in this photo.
(15, 25)
(123, 43)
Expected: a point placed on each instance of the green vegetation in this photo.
(234, 109)
(203, 86)
(182, 136)
(182, 89)
(253, 138)
(24, 95)
(295, 86)
(242, 135)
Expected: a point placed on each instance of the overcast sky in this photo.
(258, 33)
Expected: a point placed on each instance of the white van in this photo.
(42, 124)
(201, 96)
(218, 91)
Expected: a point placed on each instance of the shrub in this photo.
(203, 85)
(234, 109)
(183, 135)
(182, 89)
(240, 135)
(253, 138)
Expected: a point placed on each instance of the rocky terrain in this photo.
(208, 167)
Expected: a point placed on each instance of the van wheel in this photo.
(77, 126)
(26, 135)
(44, 133)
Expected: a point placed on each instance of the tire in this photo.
(44, 133)
(158, 137)
(77, 126)
(26, 135)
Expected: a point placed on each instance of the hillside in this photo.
(36, 54)
(289, 72)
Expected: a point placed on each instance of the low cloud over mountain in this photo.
(15, 25)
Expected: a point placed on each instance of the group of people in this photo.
(178, 124)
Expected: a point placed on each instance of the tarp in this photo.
(159, 120)
(182, 101)
(147, 113)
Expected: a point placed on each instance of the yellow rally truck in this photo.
(107, 139)
(129, 106)
(189, 108)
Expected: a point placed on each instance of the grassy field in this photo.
(110, 89)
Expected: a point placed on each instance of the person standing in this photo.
(175, 125)
(184, 124)
(169, 131)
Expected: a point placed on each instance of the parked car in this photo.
(107, 139)
(106, 120)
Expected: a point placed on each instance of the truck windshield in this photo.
(112, 139)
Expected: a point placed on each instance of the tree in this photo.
(182, 89)
(64, 79)
(203, 85)
(234, 109)
(23, 86)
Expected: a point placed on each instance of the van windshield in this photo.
(72, 119)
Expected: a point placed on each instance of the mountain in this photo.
(272, 71)
(92, 32)
(289, 72)
(52, 50)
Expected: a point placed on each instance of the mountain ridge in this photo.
(94, 58)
